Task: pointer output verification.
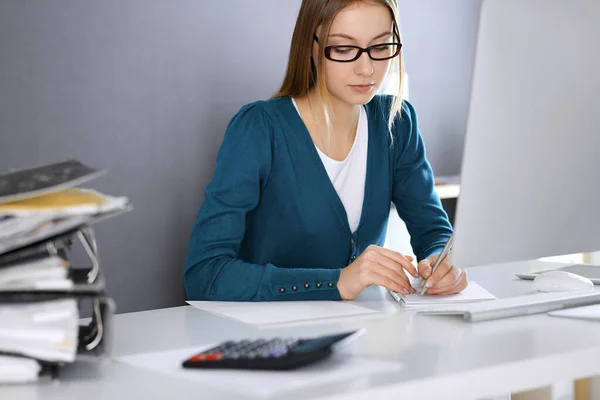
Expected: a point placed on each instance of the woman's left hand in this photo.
(446, 279)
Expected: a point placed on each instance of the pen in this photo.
(439, 260)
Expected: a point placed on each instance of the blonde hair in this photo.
(302, 73)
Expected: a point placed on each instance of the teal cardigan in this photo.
(272, 226)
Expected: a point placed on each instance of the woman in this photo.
(298, 205)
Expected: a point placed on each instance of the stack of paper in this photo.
(34, 217)
(42, 215)
(472, 293)
(11, 226)
(18, 369)
(38, 273)
(42, 201)
(45, 330)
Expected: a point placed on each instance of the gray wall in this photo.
(146, 88)
(440, 38)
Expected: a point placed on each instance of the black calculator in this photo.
(269, 354)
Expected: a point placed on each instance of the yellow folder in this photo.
(73, 200)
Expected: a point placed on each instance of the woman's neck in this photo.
(337, 141)
(344, 116)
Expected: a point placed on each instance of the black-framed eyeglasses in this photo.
(377, 52)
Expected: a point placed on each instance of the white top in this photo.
(348, 176)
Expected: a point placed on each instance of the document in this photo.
(472, 293)
(277, 312)
(11, 226)
(591, 313)
(339, 367)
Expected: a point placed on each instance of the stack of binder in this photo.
(43, 215)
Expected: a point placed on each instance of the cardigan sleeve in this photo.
(213, 270)
(414, 194)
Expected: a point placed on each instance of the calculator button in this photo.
(198, 357)
(214, 356)
(277, 352)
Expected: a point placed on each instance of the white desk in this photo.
(445, 357)
(448, 191)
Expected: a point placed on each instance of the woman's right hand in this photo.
(376, 266)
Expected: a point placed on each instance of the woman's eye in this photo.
(381, 48)
(342, 50)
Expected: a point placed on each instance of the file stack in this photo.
(42, 216)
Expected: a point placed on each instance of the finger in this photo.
(451, 279)
(386, 267)
(388, 283)
(460, 285)
(447, 280)
(405, 261)
(424, 268)
(376, 259)
(439, 273)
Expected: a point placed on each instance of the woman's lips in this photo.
(362, 88)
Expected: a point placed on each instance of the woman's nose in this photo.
(364, 65)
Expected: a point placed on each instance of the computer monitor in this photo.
(530, 179)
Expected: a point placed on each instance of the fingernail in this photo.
(405, 291)
(427, 272)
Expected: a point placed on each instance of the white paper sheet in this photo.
(277, 312)
(472, 293)
(18, 369)
(339, 367)
(591, 313)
